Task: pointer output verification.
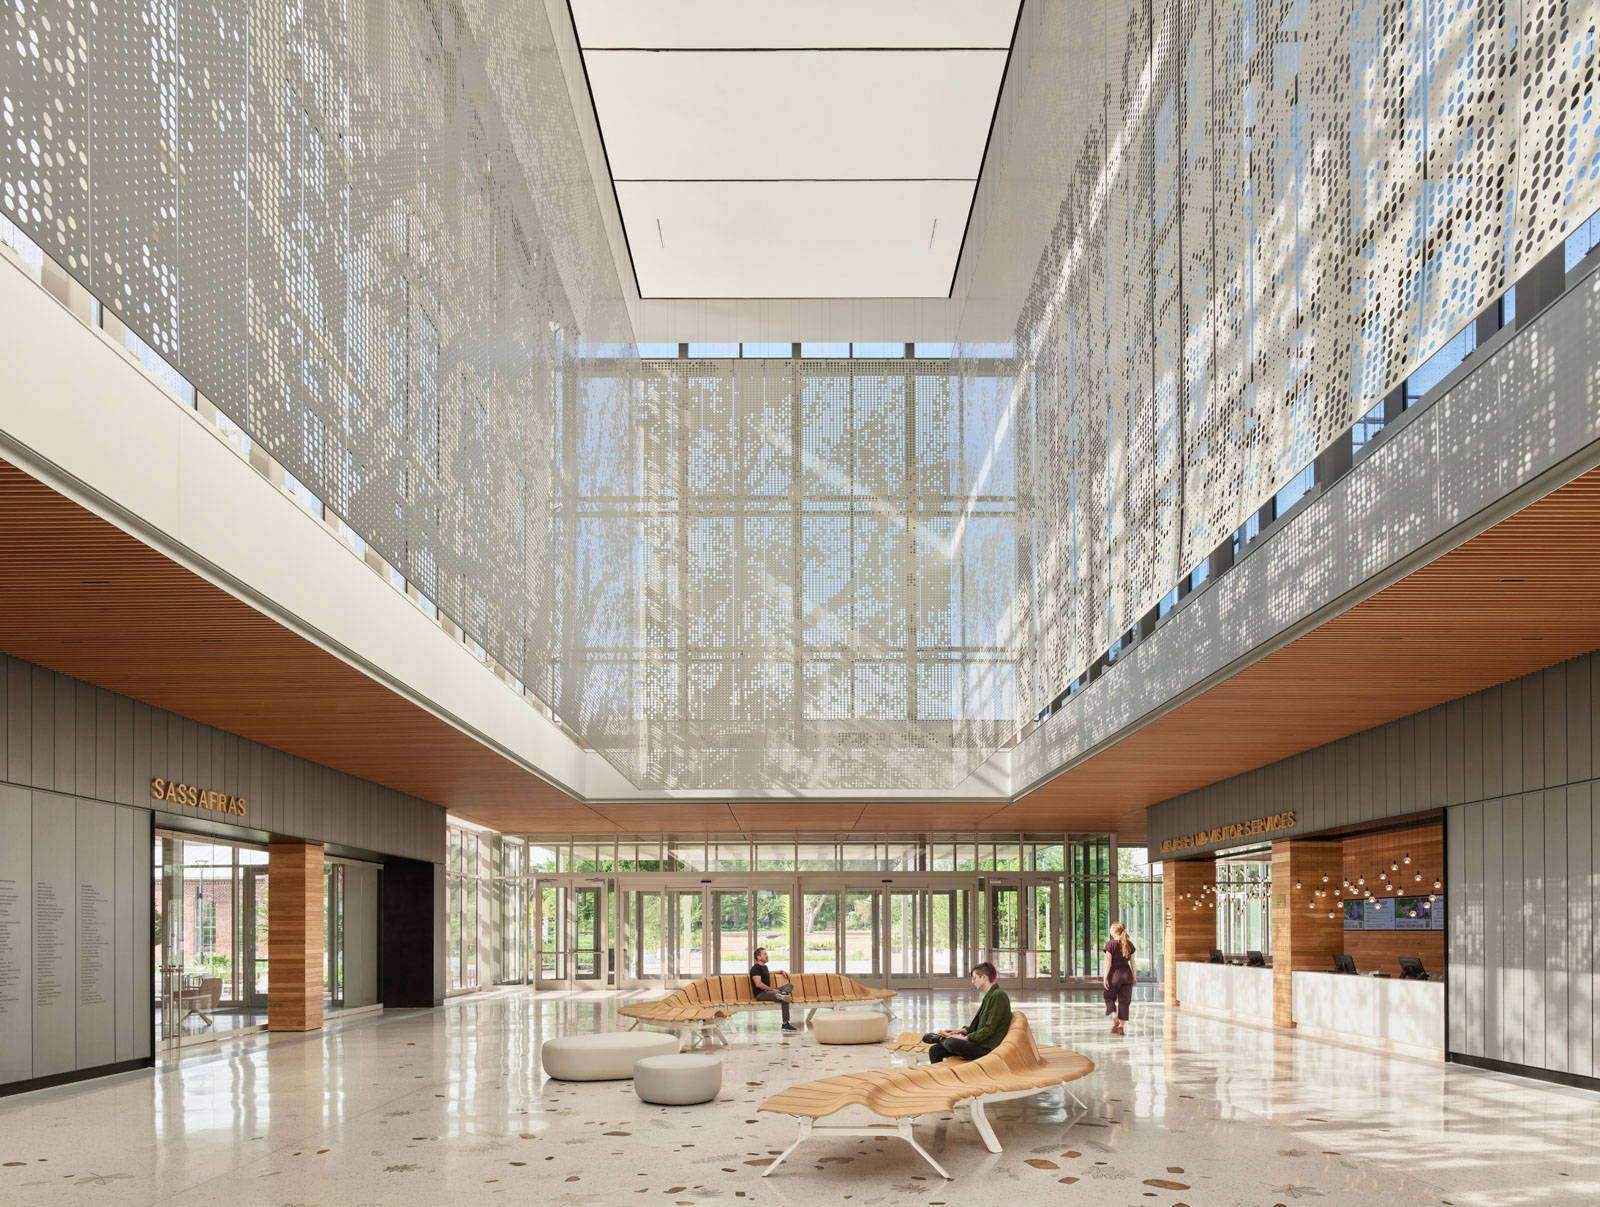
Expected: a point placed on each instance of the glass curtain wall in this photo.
(656, 910)
(1139, 908)
(462, 853)
(1244, 906)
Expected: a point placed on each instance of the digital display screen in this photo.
(1352, 914)
(1413, 913)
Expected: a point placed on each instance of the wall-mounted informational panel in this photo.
(16, 934)
(75, 901)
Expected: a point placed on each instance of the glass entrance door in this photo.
(821, 938)
(643, 937)
(1005, 931)
(211, 939)
(553, 959)
(333, 936)
(686, 949)
(949, 955)
(254, 987)
(1023, 921)
(589, 943)
(862, 934)
(908, 954)
(731, 910)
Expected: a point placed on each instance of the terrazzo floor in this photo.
(449, 1106)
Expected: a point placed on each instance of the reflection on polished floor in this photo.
(449, 1106)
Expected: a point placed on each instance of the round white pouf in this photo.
(851, 1027)
(677, 1080)
(608, 1056)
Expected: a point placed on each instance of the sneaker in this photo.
(790, 1028)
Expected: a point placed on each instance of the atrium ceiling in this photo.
(829, 150)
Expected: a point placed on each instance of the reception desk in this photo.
(1406, 1016)
(1226, 989)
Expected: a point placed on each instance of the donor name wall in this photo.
(75, 934)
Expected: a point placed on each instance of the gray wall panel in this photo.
(1554, 682)
(64, 735)
(1555, 929)
(98, 905)
(19, 721)
(126, 788)
(1580, 929)
(16, 934)
(48, 729)
(1494, 782)
(1533, 740)
(1454, 751)
(144, 929)
(85, 753)
(1494, 914)
(1438, 745)
(1580, 758)
(1511, 766)
(1459, 961)
(1514, 877)
(1535, 969)
(55, 923)
(130, 887)
(1472, 748)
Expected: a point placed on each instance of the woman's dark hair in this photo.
(987, 969)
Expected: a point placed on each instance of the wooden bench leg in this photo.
(810, 1014)
(806, 1125)
(633, 1024)
(981, 1122)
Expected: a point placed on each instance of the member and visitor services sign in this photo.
(1243, 829)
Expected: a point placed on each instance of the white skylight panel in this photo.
(691, 24)
(798, 239)
(913, 115)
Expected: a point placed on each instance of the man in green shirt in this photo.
(984, 1033)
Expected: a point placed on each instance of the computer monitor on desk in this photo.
(1344, 964)
(1255, 959)
(1411, 969)
(1216, 957)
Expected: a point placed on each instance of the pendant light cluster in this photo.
(1229, 888)
(1395, 881)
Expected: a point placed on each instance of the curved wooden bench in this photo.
(698, 1008)
(1018, 1068)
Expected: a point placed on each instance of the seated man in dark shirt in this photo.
(765, 991)
(987, 1028)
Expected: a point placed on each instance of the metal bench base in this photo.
(901, 1128)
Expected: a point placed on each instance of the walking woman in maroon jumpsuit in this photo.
(1119, 976)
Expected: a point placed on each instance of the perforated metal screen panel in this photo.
(368, 232)
(1274, 212)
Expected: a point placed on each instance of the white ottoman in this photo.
(608, 1056)
(851, 1027)
(677, 1080)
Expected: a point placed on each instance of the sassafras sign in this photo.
(199, 798)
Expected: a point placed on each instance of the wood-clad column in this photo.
(1304, 937)
(294, 936)
(1188, 916)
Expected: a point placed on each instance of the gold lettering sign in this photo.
(199, 798)
(1243, 829)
